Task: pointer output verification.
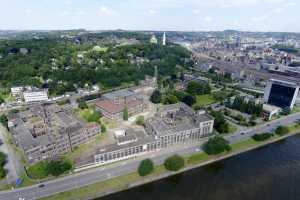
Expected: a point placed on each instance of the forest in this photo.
(64, 64)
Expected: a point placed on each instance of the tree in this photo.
(58, 167)
(146, 167)
(281, 130)
(1, 100)
(140, 121)
(171, 99)
(3, 120)
(174, 163)
(195, 88)
(189, 100)
(216, 145)
(262, 136)
(125, 114)
(220, 123)
(155, 97)
(2, 163)
(103, 128)
(82, 104)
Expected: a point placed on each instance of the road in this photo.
(124, 167)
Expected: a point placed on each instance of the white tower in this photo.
(164, 39)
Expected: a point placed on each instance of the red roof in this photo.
(114, 108)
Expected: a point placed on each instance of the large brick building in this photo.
(113, 104)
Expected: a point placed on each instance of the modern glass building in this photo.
(280, 93)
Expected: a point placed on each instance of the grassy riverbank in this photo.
(133, 179)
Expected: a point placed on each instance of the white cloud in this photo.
(66, 13)
(207, 19)
(291, 4)
(81, 12)
(278, 10)
(196, 11)
(259, 18)
(151, 12)
(28, 11)
(104, 10)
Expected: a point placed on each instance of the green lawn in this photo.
(232, 128)
(90, 115)
(204, 100)
(196, 158)
(37, 171)
(91, 191)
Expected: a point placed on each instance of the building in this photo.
(113, 104)
(47, 131)
(270, 111)
(164, 40)
(16, 91)
(175, 124)
(280, 93)
(153, 40)
(35, 95)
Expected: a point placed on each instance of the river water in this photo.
(269, 173)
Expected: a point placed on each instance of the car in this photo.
(243, 133)
(41, 185)
(1, 142)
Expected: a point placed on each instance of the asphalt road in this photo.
(124, 167)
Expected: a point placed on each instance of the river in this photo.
(268, 173)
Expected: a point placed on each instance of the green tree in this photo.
(82, 104)
(282, 130)
(146, 167)
(2, 163)
(1, 100)
(174, 163)
(155, 97)
(171, 99)
(220, 123)
(3, 120)
(58, 167)
(189, 100)
(262, 136)
(216, 145)
(125, 114)
(103, 128)
(195, 88)
(140, 121)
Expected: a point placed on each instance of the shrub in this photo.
(146, 167)
(57, 168)
(125, 114)
(82, 104)
(282, 130)
(174, 163)
(3, 120)
(262, 136)
(216, 145)
(156, 97)
(2, 163)
(103, 128)
(140, 121)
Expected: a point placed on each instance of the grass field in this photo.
(204, 100)
(90, 115)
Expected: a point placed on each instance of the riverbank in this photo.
(132, 180)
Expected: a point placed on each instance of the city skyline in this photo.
(167, 15)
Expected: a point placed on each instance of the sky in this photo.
(161, 15)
